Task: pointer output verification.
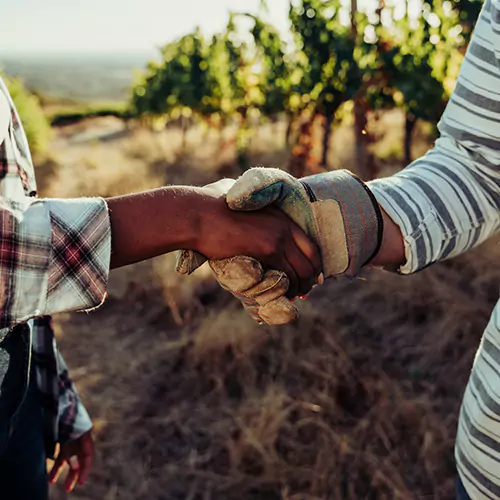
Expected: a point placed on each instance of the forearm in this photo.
(164, 220)
(62, 247)
(444, 204)
(152, 223)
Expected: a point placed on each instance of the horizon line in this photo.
(96, 52)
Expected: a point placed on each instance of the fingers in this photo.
(78, 468)
(273, 307)
(85, 469)
(274, 285)
(297, 256)
(85, 460)
(289, 269)
(258, 188)
(304, 271)
(237, 274)
(73, 474)
(245, 278)
(188, 261)
(308, 248)
(55, 472)
(278, 312)
(71, 477)
(220, 187)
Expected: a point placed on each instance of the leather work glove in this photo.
(335, 209)
(261, 293)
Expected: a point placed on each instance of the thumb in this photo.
(188, 261)
(220, 187)
(260, 187)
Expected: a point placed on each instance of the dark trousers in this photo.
(461, 493)
(22, 452)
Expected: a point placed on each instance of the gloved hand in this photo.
(261, 293)
(335, 209)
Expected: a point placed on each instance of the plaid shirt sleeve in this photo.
(54, 257)
(54, 254)
(64, 416)
(73, 417)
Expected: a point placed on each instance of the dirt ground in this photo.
(191, 400)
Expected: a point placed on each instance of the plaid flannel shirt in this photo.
(54, 257)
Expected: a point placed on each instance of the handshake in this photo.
(275, 237)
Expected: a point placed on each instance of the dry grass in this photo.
(192, 400)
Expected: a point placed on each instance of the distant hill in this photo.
(83, 77)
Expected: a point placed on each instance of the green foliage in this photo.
(242, 91)
(33, 119)
(192, 77)
(83, 112)
(277, 69)
(380, 59)
(330, 72)
(419, 57)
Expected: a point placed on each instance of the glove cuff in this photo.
(342, 192)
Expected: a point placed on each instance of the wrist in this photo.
(197, 204)
(210, 215)
(392, 252)
(345, 209)
(204, 219)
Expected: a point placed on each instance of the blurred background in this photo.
(190, 399)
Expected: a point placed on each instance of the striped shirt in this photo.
(447, 202)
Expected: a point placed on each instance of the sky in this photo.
(83, 26)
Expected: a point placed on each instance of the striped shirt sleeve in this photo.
(449, 200)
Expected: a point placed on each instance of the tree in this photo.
(278, 73)
(244, 90)
(330, 73)
(192, 79)
(378, 60)
(419, 57)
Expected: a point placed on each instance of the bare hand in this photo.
(78, 454)
(267, 235)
